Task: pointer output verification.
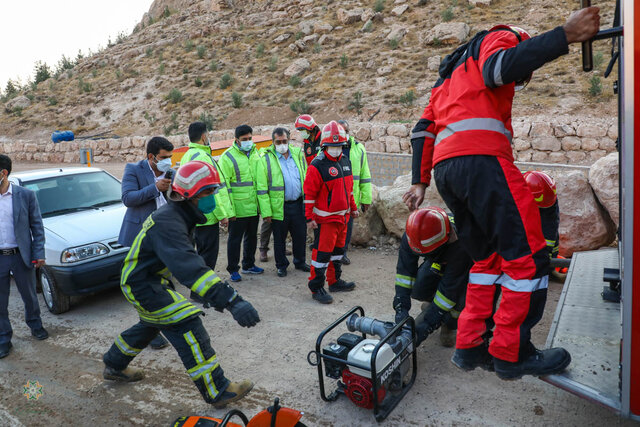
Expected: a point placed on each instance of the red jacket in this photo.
(311, 147)
(469, 112)
(328, 190)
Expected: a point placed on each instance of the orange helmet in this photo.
(192, 178)
(543, 188)
(522, 35)
(333, 135)
(305, 122)
(427, 229)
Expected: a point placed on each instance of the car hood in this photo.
(87, 226)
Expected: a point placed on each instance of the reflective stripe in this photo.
(497, 70)
(222, 185)
(438, 237)
(422, 134)
(205, 282)
(241, 184)
(482, 278)
(405, 281)
(262, 192)
(488, 124)
(356, 177)
(194, 156)
(317, 264)
(164, 273)
(436, 266)
(175, 317)
(551, 242)
(208, 366)
(524, 285)
(310, 201)
(199, 357)
(365, 180)
(336, 257)
(443, 302)
(276, 188)
(325, 213)
(125, 348)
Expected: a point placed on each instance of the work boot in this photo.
(322, 296)
(158, 343)
(469, 359)
(346, 260)
(127, 375)
(342, 286)
(541, 362)
(264, 256)
(233, 393)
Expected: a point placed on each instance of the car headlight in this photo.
(81, 253)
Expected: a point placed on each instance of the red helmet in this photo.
(192, 178)
(427, 229)
(305, 122)
(543, 188)
(522, 35)
(333, 135)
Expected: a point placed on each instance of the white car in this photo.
(82, 213)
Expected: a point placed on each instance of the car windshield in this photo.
(73, 193)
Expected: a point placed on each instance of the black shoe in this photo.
(127, 375)
(5, 349)
(282, 272)
(303, 267)
(469, 359)
(342, 286)
(158, 342)
(322, 296)
(346, 260)
(542, 362)
(40, 334)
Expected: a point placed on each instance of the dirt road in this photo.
(68, 365)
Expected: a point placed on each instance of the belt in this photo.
(8, 252)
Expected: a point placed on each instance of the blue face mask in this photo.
(246, 145)
(206, 205)
(163, 165)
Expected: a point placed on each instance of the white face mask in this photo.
(334, 151)
(246, 145)
(282, 148)
(305, 134)
(163, 165)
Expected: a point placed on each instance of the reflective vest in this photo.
(270, 181)
(361, 173)
(224, 209)
(240, 171)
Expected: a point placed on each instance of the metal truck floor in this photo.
(590, 329)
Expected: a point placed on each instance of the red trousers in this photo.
(326, 257)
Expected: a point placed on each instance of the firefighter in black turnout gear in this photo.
(164, 247)
(441, 278)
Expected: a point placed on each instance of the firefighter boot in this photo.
(127, 375)
(233, 393)
(469, 359)
(322, 296)
(342, 286)
(541, 362)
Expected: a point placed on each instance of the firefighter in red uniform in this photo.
(328, 202)
(310, 132)
(465, 134)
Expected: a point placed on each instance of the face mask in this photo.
(207, 204)
(334, 151)
(305, 134)
(282, 148)
(246, 145)
(163, 165)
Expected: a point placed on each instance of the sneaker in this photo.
(233, 393)
(253, 270)
(282, 272)
(40, 334)
(235, 277)
(303, 267)
(322, 296)
(346, 260)
(541, 362)
(264, 256)
(342, 286)
(127, 375)
(469, 359)
(158, 342)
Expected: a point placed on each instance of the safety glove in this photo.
(402, 303)
(428, 321)
(243, 312)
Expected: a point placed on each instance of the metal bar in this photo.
(561, 300)
(609, 33)
(587, 50)
(583, 391)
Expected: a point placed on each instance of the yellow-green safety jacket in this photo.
(240, 171)
(270, 181)
(224, 208)
(361, 174)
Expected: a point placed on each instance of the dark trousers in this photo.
(191, 341)
(208, 243)
(295, 223)
(265, 235)
(242, 231)
(25, 279)
(349, 231)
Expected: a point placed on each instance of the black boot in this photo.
(541, 362)
(342, 286)
(469, 359)
(322, 296)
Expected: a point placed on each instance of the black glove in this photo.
(402, 303)
(243, 312)
(431, 321)
(218, 297)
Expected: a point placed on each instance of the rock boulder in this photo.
(369, 225)
(20, 102)
(347, 17)
(603, 177)
(298, 67)
(447, 33)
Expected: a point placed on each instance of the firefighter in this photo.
(465, 134)
(207, 235)
(310, 133)
(164, 248)
(328, 199)
(441, 278)
(543, 189)
(362, 192)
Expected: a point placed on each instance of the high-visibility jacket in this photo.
(163, 248)
(240, 171)
(312, 148)
(328, 190)
(360, 170)
(270, 181)
(469, 112)
(224, 208)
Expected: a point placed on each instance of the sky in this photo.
(44, 30)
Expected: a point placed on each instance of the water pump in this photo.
(375, 372)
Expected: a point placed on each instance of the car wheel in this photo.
(56, 301)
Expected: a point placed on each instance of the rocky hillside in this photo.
(255, 61)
